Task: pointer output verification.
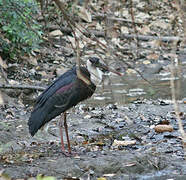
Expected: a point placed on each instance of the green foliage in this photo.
(20, 32)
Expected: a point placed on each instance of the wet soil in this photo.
(93, 130)
(113, 133)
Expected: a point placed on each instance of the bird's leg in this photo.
(61, 135)
(66, 131)
(69, 153)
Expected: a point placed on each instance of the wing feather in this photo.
(63, 80)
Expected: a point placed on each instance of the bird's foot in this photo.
(69, 154)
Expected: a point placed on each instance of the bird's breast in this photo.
(86, 90)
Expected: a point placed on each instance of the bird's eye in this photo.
(94, 60)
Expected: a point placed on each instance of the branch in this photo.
(8, 86)
(128, 36)
(147, 38)
(100, 16)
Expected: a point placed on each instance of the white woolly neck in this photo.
(96, 75)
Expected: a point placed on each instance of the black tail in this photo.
(36, 120)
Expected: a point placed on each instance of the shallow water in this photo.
(122, 90)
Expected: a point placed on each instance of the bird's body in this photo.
(65, 92)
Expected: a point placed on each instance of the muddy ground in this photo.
(114, 139)
(93, 131)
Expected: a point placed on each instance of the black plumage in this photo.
(65, 92)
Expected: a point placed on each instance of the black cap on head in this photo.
(97, 63)
(94, 60)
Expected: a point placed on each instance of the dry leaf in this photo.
(153, 56)
(145, 30)
(161, 24)
(130, 164)
(1, 99)
(140, 17)
(130, 71)
(124, 30)
(175, 4)
(85, 15)
(163, 128)
(116, 41)
(109, 175)
(73, 42)
(99, 27)
(32, 60)
(2, 63)
(56, 33)
(101, 178)
(123, 143)
(87, 116)
(146, 62)
(155, 43)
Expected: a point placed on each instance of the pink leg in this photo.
(61, 134)
(66, 131)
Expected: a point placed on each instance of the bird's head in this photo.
(97, 69)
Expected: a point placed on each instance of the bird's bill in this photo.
(106, 68)
(115, 72)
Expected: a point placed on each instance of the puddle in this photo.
(129, 88)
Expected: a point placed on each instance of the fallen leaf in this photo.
(87, 116)
(85, 15)
(101, 178)
(1, 99)
(163, 128)
(73, 42)
(130, 164)
(2, 63)
(99, 27)
(153, 56)
(123, 143)
(109, 175)
(124, 30)
(141, 17)
(175, 4)
(146, 62)
(32, 60)
(130, 71)
(56, 33)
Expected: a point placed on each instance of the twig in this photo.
(9, 86)
(176, 107)
(128, 36)
(147, 38)
(103, 16)
(135, 30)
(73, 25)
(175, 68)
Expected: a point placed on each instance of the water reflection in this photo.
(127, 89)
